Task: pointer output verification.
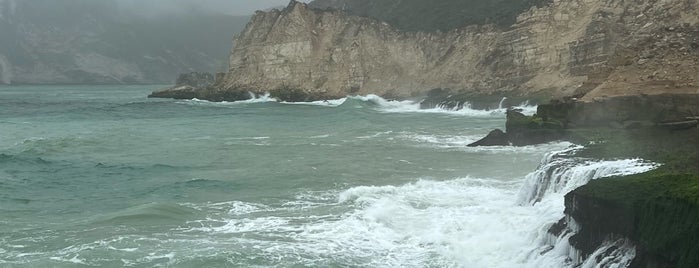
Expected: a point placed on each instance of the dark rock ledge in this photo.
(562, 119)
(522, 130)
(657, 211)
(203, 86)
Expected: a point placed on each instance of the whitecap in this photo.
(463, 222)
(327, 103)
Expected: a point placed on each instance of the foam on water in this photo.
(559, 174)
(259, 98)
(253, 99)
(382, 105)
(463, 222)
(184, 189)
(392, 106)
(466, 222)
(328, 103)
(466, 110)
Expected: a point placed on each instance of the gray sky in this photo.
(233, 7)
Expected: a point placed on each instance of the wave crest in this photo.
(372, 101)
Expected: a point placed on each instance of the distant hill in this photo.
(96, 42)
(433, 15)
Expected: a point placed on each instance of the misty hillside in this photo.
(422, 15)
(87, 41)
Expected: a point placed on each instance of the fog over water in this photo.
(231, 7)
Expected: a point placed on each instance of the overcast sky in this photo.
(233, 7)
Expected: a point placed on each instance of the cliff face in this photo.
(566, 47)
(443, 15)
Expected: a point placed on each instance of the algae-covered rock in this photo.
(624, 111)
(527, 130)
(522, 130)
(657, 211)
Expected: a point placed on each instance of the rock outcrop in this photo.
(563, 48)
(631, 111)
(523, 130)
(657, 212)
(494, 138)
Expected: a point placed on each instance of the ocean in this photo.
(101, 176)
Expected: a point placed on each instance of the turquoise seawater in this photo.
(103, 176)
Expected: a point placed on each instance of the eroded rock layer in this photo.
(600, 47)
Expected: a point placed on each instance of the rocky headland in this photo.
(655, 211)
(622, 78)
(564, 48)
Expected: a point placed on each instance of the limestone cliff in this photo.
(565, 47)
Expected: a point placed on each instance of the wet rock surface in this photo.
(495, 138)
(657, 212)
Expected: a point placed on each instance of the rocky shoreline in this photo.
(655, 211)
(623, 76)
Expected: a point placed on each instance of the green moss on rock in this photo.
(676, 150)
(526, 130)
(658, 210)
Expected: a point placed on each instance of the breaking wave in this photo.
(378, 103)
(463, 222)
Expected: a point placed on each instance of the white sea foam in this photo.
(328, 103)
(464, 110)
(383, 105)
(559, 175)
(441, 141)
(253, 99)
(234, 208)
(545, 188)
(259, 99)
(466, 222)
(75, 260)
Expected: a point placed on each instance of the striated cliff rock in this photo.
(442, 15)
(600, 47)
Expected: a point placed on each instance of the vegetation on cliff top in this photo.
(444, 15)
